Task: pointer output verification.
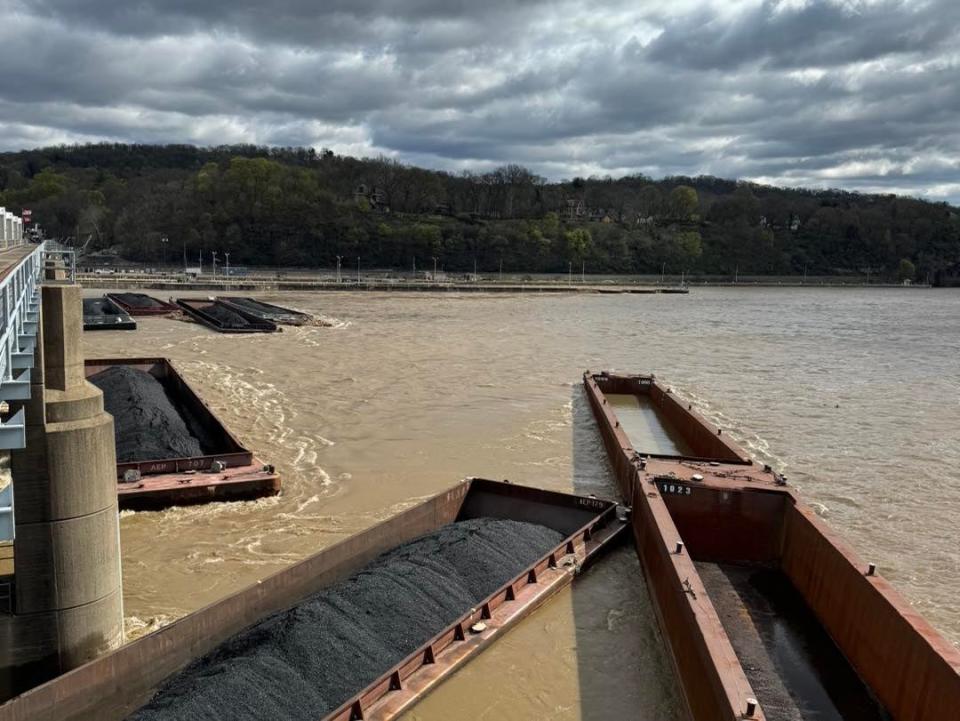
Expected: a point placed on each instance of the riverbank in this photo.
(177, 283)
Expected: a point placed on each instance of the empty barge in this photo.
(224, 471)
(104, 314)
(768, 614)
(266, 311)
(141, 304)
(118, 683)
(224, 318)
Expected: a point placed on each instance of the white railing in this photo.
(19, 321)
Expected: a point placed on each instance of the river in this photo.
(853, 393)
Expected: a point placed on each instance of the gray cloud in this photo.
(861, 94)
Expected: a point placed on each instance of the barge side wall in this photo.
(913, 670)
(713, 681)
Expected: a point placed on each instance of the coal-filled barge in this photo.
(224, 318)
(222, 469)
(119, 683)
(767, 613)
(266, 311)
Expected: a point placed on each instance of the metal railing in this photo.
(19, 323)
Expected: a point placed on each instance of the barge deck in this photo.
(767, 613)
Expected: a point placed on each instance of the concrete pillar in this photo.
(3, 227)
(67, 583)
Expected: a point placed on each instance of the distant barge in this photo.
(137, 304)
(266, 311)
(231, 473)
(224, 318)
(767, 613)
(113, 686)
(104, 314)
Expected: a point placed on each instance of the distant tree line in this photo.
(301, 207)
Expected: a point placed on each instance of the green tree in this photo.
(906, 270)
(684, 202)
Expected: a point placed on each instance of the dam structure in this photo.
(60, 587)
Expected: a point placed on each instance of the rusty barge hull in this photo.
(232, 473)
(112, 686)
(702, 523)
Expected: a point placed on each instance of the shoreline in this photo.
(121, 282)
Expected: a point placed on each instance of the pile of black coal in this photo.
(225, 316)
(147, 424)
(306, 662)
(138, 300)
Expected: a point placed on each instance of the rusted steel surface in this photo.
(114, 685)
(181, 481)
(161, 307)
(198, 309)
(741, 513)
(707, 441)
(913, 670)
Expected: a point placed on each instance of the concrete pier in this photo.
(68, 605)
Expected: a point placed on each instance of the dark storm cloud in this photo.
(851, 93)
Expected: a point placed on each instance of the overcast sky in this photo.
(860, 94)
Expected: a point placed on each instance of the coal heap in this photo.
(304, 663)
(227, 317)
(138, 300)
(146, 423)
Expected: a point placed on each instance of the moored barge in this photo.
(118, 683)
(767, 613)
(224, 471)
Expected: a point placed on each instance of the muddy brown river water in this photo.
(853, 393)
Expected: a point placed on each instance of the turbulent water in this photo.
(854, 394)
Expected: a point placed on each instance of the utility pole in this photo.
(663, 272)
(804, 273)
(434, 269)
(583, 271)
(736, 274)
(414, 267)
(570, 273)
(474, 269)
(214, 254)
(358, 270)
(227, 255)
(184, 255)
(501, 270)
(163, 247)
(339, 258)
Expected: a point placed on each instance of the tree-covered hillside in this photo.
(299, 207)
